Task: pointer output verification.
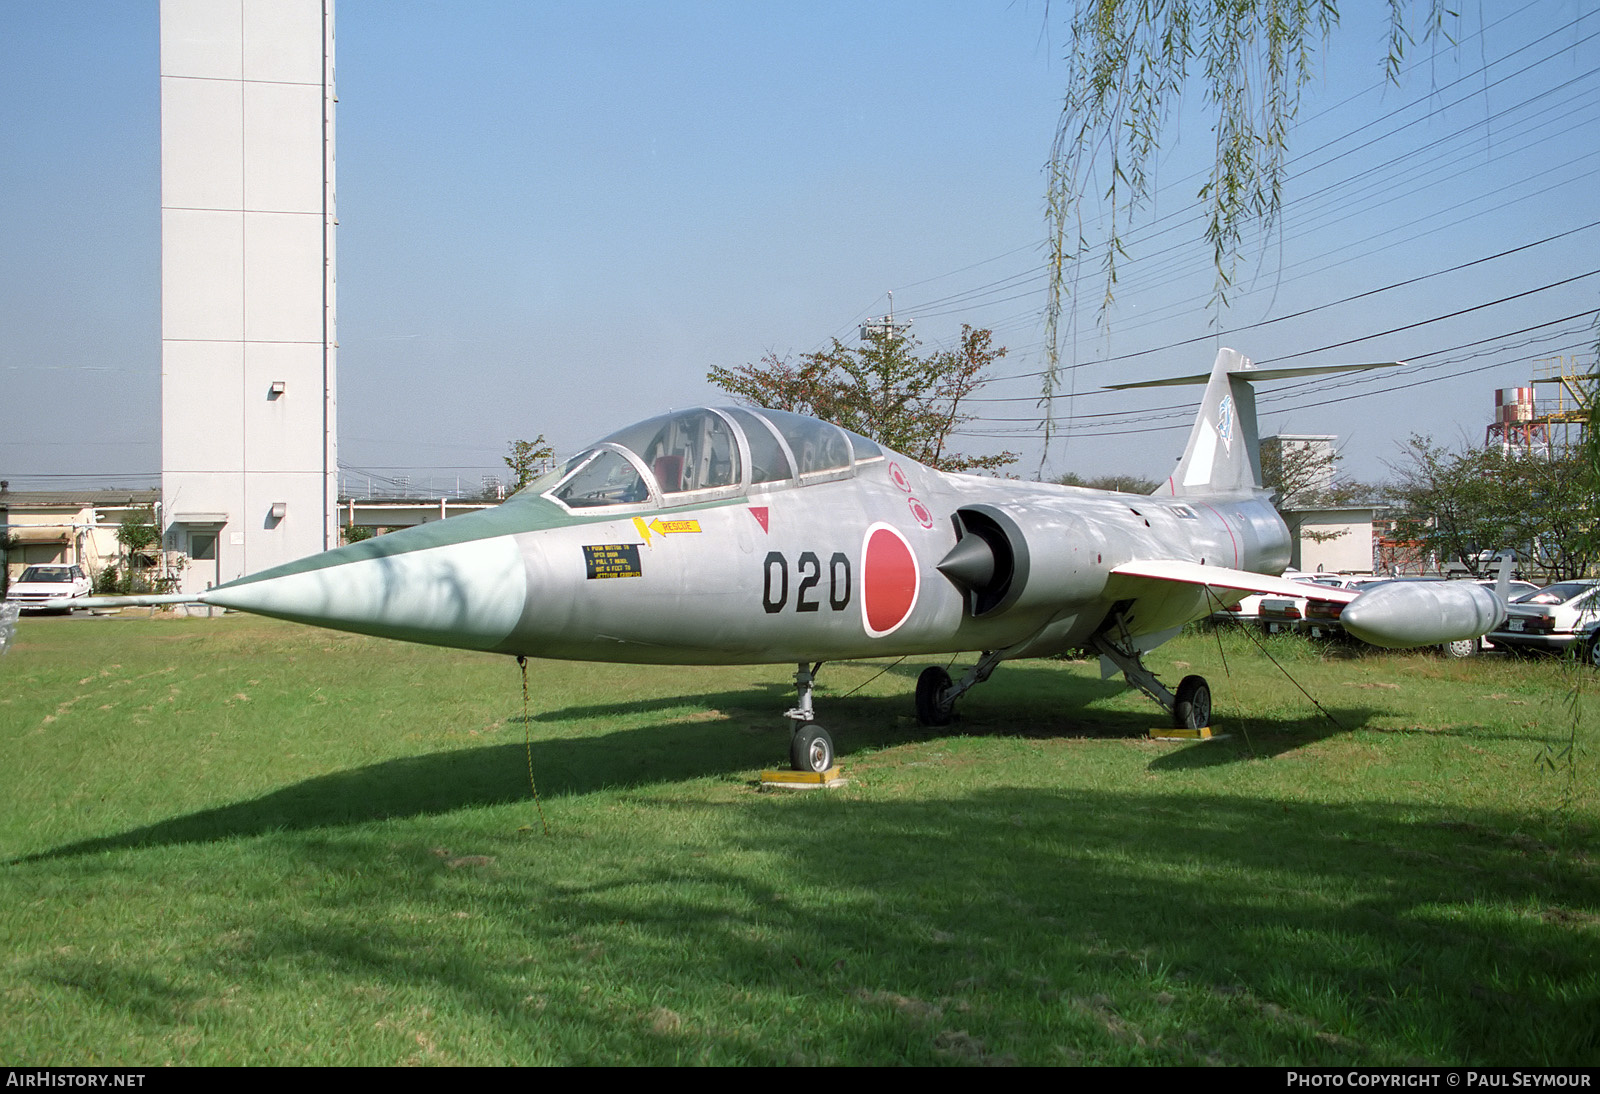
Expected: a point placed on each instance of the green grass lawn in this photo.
(239, 841)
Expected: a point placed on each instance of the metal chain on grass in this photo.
(527, 743)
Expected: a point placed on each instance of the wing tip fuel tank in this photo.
(1422, 613)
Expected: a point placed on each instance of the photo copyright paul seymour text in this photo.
(1436, 1079)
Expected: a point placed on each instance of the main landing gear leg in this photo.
(1190, 707)
(810, 748)
(936, 695)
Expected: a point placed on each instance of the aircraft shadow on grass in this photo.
(1037, 705)
(1028, 901)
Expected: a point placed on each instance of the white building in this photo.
(248, 457)
(1305, 463)
(66, 527)
(1331, 539)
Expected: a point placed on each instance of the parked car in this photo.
(1300, 615)
(1591, 645)
(1322, 618)
(1553, 619)
(1248, 610)
(48, 582)
(1466, 647)
(1281, 614)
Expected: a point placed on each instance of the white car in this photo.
(48, 582)
(1552, 619)
(1295, 614)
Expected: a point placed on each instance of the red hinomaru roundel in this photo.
(889, 580)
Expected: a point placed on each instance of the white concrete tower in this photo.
(248, 458)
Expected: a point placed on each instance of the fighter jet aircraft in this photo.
(716, 536)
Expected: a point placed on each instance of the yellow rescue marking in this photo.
(664, 527)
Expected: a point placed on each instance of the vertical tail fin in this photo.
(1223, 455)
(1224, 451)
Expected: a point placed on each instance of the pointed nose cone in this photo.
(407, 585)
(970, 563)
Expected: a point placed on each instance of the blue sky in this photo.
(556, 218)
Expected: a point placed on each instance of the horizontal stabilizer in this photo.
(1257, 374)
(1223, 457)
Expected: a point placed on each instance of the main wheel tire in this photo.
(1466, 647)
(1193, 707)
(811, 749)
(930, 686)
(1592, 654)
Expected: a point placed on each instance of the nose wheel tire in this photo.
(1193, 707)
(931, 686)
(811, 749)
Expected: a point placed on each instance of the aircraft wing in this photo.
(1221, 577)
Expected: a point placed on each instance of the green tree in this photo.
(1588, 452)
(881, 389)
(138, 538)
(1305, 476)
(1296, 473)
(1127, 484)
(1470, 506)
(527, 460)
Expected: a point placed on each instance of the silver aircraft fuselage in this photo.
(746, 536)
(839, 569)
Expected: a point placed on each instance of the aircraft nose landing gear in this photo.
(810, 747)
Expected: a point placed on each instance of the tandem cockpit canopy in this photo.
(704, 454)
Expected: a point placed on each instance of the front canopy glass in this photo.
(687, 451)
(608, 479)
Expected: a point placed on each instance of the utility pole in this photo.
(885, 325)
